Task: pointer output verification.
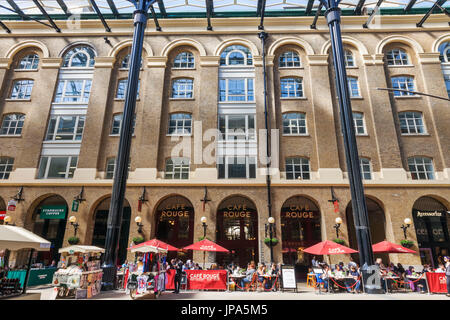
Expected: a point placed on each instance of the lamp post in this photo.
(406, 225)
(138, 220)
(271, 221)
(73, 222)
(204, 225)
(338, 221)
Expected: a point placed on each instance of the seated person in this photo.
(351, 282)
(248, 274)
(418, 285)
(441, 268)
(325, 276)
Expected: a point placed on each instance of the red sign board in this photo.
(11, 205)
(437, 282)
(206, 279)
(2, 215)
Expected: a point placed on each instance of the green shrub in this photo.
(138, 240)
(73, 240)
(339, 241)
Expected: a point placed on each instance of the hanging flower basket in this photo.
(271, 242)
(138, 240)
(407, 243)
(339, 241)
(73, 240)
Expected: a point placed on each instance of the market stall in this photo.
(15, 238)
(80, 275)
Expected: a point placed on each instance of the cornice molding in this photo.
(156, 62)
(318, 59)
(104, 62)
(429, 57)
(51, 63)
(209, 61)
(5, 63)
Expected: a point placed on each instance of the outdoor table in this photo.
(386, 278)
(341, 280)
(414, 278)
(237, 279)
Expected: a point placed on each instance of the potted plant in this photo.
(339, 241)
(73, 240)
(271, 241)
(407, 243)
(138, 240)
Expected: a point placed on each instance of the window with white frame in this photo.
(73, 90)
(177, 168)
(353, 87)
(359, 123)
(29, 62)
(348, 58)
(411, 122)
(79, 57)
(236, 89)
(110, 167)
(444, 50)
(6, 166)
(447, 83)
(184, 60)
(12, 124)
(294, 123)
(403, 83)
(57, 167)
(397, 57)
(122, 88)
(63, 128)
(298, 168)
(125, 63)
(182, 88)
(237, 127)
(180, 124)
(421, 168)
(366, 168)
(117, 124)
(22, 89)
(236, 55)
(289, 59)
(291, 87)
(230, 167)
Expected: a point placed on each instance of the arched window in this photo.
(291, 87)
(298, 168)
(236, 55)
(366, 168)
(403, 83)
(180, 124)
(397, 57)
(29, 62)
(411, 122)
(444, 50)
(12, 124)
(289, 59)
(421, 168)
(79, 57)
(349, 60)
(294, 123)
(177, 168)
(125, 63)
(6, 166)
(184, 60)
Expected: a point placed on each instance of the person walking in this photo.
(178, 275)
(447, 273)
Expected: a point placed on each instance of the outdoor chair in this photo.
(252, 286)
(311, 281)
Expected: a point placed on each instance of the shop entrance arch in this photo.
(377, 223)
(432, 222)
(49, 221)
(100, 227)
(300, 228)
(175, 224)
(237, 231)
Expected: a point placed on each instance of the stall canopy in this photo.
(16, 238)
(82, 249)
(389, 247)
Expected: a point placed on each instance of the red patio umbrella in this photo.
(328, 247)
(154, 243)
(206, 245)
(389, 247)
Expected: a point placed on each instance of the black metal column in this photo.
(121, 169)
(359, 207)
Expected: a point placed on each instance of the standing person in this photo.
(447, 273)
(178, 275)
(314, 262)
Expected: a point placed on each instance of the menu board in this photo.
(289, 280)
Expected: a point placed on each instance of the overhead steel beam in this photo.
(155, 19)
(5, 27)
(36, 2)
(113, 8)
(209, 12)
(359, 7)
(16, 8)
(262, 12)
(63, 7)
(372, 15)
(26, 17)
(430, 11)
(162, 8)
(444, 10)
(309, 6)
(100, 15)
(411, 3)
(319, 9)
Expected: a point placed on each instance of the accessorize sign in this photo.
(53, 212)
(206, 279)
(421, 214)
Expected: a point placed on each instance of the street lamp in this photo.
(271, 221)
(406, 225)
(203, 220)
(73, 222)
(138, 220)
(338, 221)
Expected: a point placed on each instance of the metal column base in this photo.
(108, 279)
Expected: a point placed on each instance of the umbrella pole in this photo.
(28, 272)
(204, 254)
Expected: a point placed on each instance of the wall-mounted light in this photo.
(407, 223)
(338, 221)
(138, 220)
(203, 221)
(73, 222)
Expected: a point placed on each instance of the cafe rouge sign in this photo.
(297, 212)
(53, 212)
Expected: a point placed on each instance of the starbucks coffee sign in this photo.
(53, 212)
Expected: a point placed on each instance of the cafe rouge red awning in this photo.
(155, 243)
(206, 245)
(389, 247)
(328, 247)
